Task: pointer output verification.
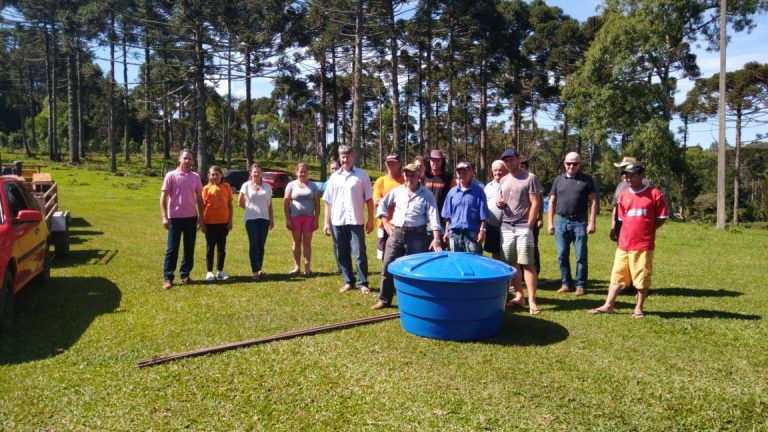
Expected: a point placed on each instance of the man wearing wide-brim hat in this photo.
(642, 209)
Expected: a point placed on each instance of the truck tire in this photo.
(45, 274)
(6, 301)
(61, 243)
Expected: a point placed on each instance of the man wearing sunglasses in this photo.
(571, 195)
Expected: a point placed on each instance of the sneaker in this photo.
(167, 284)
(210, 277)
(364, 289)
(344, 288)
(222, 275)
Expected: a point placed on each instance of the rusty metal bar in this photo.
(290, 335)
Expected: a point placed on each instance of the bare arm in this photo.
(593, 207)
(551, 215)
(327, 224)
(164, 208)
(369, 224)
(533, 213)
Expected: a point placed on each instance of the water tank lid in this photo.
(450, 267)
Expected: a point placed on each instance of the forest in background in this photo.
(469, 77)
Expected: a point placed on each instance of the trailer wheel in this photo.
(6, 301)
(61, 243)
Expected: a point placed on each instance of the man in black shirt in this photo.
(572, 192)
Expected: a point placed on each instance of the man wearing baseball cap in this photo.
(381, 187)
(642, 209)
(520, 199)
(414, 212)
(615, 222)
(465, 212)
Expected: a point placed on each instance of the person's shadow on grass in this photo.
(52, 316)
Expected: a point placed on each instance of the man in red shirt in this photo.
(642, 209)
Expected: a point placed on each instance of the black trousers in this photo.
(215, 239)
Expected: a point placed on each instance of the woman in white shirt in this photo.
(256, 198)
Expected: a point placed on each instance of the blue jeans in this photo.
(465, 241)
(569, 231)
(350, 241)
(176, 228)
(399, 244)
(257, 230)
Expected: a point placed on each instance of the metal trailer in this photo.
(46, 191)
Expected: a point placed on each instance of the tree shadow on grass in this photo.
(693, 292)
(519, 330)
(51, 317)
(703, 313)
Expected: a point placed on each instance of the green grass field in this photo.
(697, 362)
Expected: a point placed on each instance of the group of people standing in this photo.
(421, 208)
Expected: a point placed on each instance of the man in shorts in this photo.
(520, 199)
(642, 209)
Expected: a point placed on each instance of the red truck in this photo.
(24, 240)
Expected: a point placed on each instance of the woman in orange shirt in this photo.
(217, 221)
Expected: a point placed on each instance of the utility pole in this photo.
(721, 142)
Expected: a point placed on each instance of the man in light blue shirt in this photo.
(465, 212)
(415, 209)
(349, 191)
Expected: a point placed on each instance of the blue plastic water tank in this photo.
(451, 295)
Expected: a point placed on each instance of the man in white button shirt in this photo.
(349, 190)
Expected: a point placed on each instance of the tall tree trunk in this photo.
(248, 114)
(357, 82)
(323, 133)
(167, 115)
(147, 99)
(228, 128)
(32, 105)
(335, 95)
(126, 146)
(74, 152)
(50, 68)
(381, 135)
(428, 137)
(483, 116)
(79, 76)
(202, 124)
(449, 96)
(737, 169)
(23, 108)
(397, 142)
(422, 149)
(111, 107)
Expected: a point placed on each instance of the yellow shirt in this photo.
(381, 187)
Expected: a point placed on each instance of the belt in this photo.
(420, 228)
(571, 217)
